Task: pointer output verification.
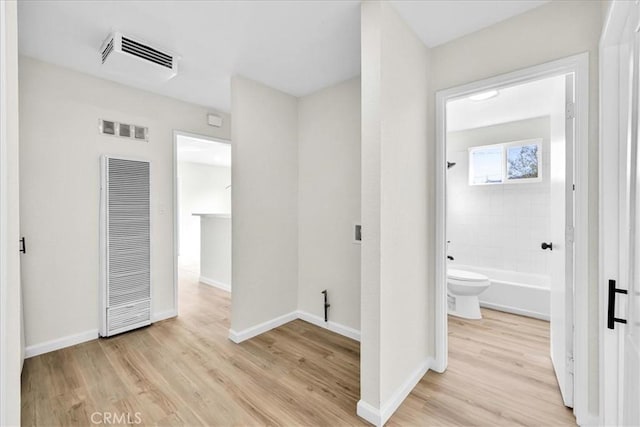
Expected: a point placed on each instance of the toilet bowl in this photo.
(463, 288)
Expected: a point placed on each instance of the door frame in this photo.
(579, 66)
(176, 219)
(613, 262)
(4, 215)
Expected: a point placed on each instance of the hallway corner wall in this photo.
(264, 134)
(397, 208)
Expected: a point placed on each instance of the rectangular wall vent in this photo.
(126, 245)
(107, 127)
(146, 52)
(123, 130)
(134, 58)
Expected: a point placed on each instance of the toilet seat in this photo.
(466, 276)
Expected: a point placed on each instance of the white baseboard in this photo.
(215, 283)
(70, 340)
(338, 328)
(239, 336)
(379, 417)
(514, 310)
(57, 344)
(163, 315)
(369, 413)
(587, 419)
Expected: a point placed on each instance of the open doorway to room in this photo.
(203, 213)
(508, 233)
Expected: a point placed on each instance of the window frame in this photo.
(537, 142)
(504, 147)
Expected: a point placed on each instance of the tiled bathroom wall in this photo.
(498, 226)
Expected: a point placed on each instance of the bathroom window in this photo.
(523, 163)
(509, 163)
(486, 165)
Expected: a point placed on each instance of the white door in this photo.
(560, 247)
(620, 218)
(630, 372)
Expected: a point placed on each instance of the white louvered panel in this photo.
(127, 317)
(127, 238)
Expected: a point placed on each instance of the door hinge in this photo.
(570, 363)
(570, 234)
(571, 110)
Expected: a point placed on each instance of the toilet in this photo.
(463, 288)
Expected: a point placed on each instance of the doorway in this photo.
(202, 207)
(529, 159)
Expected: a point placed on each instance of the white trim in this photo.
(346, 331)
(514, 310)
(587, 420)
(71, 340)
(369, 412)
(338, 328)
(581, 240)
(59, 343)
(381, 416)
(164, 315)
(613, 224)
(176, 224)
(215, 283)
(240, 336)
(579, 65)
(4, 213)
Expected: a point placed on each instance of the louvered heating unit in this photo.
(125, 245)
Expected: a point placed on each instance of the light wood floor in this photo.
(185, 371)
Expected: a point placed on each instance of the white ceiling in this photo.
(295, 46)
(525, 101)
(202, 151)
(439, 21)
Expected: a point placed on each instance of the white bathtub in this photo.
(513, 292)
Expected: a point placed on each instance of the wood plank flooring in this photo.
(185, 371)
(499, 373)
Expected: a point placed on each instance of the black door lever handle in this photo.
(23, 246)
(547, 246)
(611, 306)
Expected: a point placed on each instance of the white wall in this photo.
(397, 174)
(498, 226)
(329, 202)
(11, 334)
(202, 188)
(555, 30)
(215, 266)
(264, 204)
(59, 171)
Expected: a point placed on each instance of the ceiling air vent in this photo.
(131, 57)
(146, 52)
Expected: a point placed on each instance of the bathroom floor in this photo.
(499, 373)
